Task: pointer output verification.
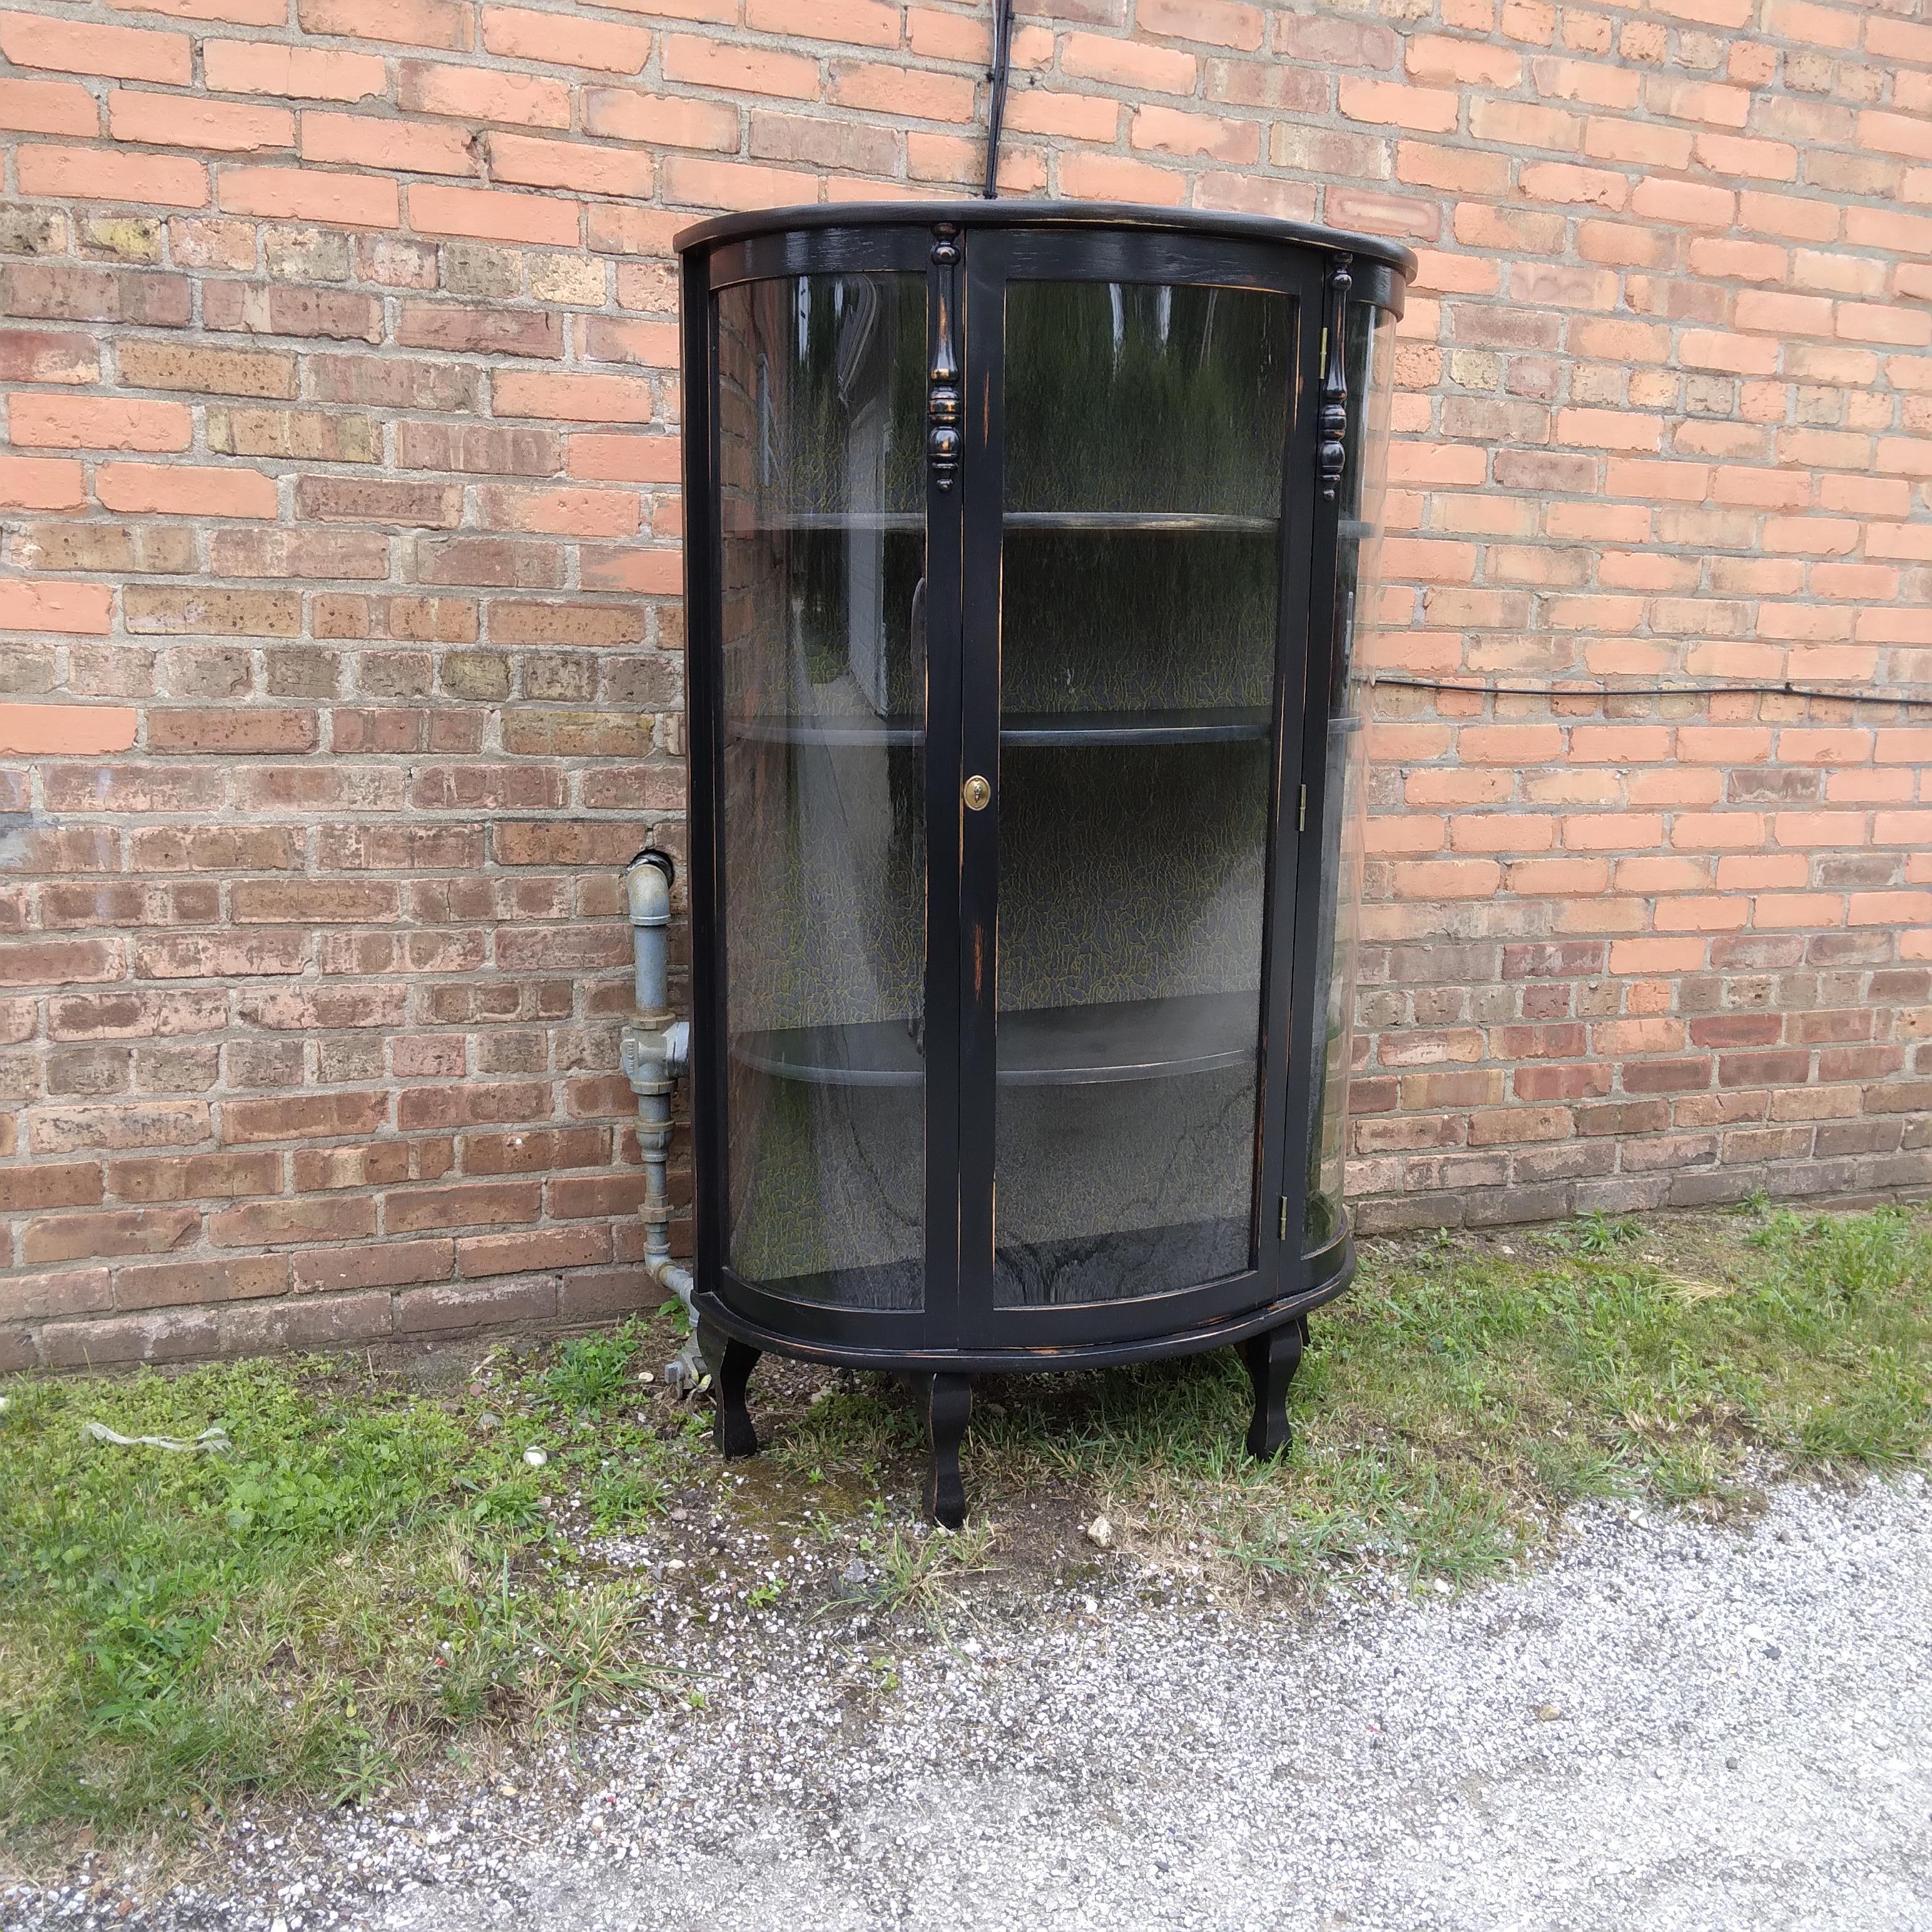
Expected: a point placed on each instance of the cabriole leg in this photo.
(1272, 1361)
(949, 1406)
(731, 1426)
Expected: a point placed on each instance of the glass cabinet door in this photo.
(820, 440)
(1144, 430)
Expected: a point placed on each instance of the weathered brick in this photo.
(432, 1310)
(392, 1265)
(304, 1221)
(312, 1116)
(49, 1184)
(260, 729)
(202, 956)
(483, 94)
(201, 1176)
(379, 500)
(532, 1252)
(66, 1129)
(184, 1284)
(322, 1322)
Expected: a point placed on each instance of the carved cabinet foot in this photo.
(949, 1406)
(1272, 1360)
(731, 1427)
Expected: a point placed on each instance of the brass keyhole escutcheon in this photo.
(977, 792)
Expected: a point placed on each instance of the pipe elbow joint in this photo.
(647, 887)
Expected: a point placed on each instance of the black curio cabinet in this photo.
(1027, 579)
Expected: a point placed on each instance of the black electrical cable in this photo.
(996, 100)
(1484, 688)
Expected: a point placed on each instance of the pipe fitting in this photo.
(654, 1053)
(647, 883)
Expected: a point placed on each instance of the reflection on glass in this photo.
(1144, 432)
(1144, 397)
(1371, 365)
(1120, 621)
(819, 393)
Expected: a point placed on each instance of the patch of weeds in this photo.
(916, 1570)
(855, 1424)
(1596, 1233)
(589, 1372)
(622, 1495)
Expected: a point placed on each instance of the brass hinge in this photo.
(1301, 816)
(1282, 1228)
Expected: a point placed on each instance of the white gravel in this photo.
(1671, 1727)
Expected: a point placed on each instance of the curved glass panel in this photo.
(1371, 370)
(1145, 427)
(821, 396)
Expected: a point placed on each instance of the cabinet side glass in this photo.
(1370, 364)
(821, 788)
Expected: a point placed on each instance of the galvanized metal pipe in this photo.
(655, 1051)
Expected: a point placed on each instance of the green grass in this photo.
(1462, 1395)
(372, 1573)
(367, 1571)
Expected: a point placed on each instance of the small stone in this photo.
(647, 1377)
(1547, 1714)
(1442, 1586)
(535, 1457)
(489, 1419)
(1101, 1531)
(857, 1571)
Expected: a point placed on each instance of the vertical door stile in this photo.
(1292, 677)
(1315, 471)
(983, 456)
(945, 513)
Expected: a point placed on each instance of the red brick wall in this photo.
(337, 358)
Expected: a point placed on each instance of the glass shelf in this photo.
(869, 733)
(786, 522)
(1225, 724)
(1178, 523)
(1045, 1046)
(1144, 522)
